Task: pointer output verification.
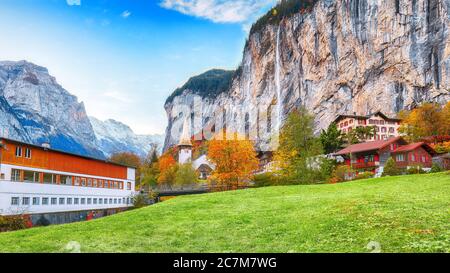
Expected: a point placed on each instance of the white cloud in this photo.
(220, 11)
(126, 14)
(73, 2)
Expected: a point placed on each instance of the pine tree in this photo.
(390, 169)
(332, 139)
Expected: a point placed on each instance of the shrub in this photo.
(415, 170)
(341, 174)
(436, 168)
(264, 180)
(11, 223)
(390, 169)
(139, 201)
(364, 175)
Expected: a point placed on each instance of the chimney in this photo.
(46, 145)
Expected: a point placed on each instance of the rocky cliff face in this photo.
(341, 56)
(34, 108)
(37, 109)
(113, 136)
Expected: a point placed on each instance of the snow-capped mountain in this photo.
(113, 136)
(34, 108)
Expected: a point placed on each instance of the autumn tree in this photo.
(297, 148)
(429, 119)
(150, 169)
(185, 175)
(128, 159)
(167, 169)
(234, 159)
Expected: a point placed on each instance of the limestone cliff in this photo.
(340, 56)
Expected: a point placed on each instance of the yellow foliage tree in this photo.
(235, 161)
(427, 120)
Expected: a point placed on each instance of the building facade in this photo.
(385, 127)
(372, 156)
(39, 180)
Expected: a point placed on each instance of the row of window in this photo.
(414, 158)
(19, 151)
(49, 178)
(36, 201)
(363, 122)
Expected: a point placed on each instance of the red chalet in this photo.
(372, 156)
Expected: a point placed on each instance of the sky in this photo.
(123, 58)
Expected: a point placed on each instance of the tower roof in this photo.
(185, 139)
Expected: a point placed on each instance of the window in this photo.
(128, 200)
(26, 201)
(129, 186)
(35, 201)
(30, 176)
(95, 201)
(62, 201)
(100, 201)
(383, 129)
(89, 201)
(95, 184)
(15, 175)
(391, 130)
(69, 201)
(105, 201)
(110, 200)
(65, 180)
(100, 184)
(116, 185)
(14, 201)
(83, 182)
(77, 181)
(45, 201)
(89, 182)
(124, 200)
(49, 178)
(413, 157)
(27, 153)
(115, 200)
(120, 201)
(54, 200)
(76, 201)
(18, 151)
(83, 201)
(400, 158)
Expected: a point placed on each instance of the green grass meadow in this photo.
(401, 214)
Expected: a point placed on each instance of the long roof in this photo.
(366, 117)
(368, 146)
(64, 152)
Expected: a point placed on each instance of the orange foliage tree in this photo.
(427, 120)
(235, 162)
(166, 165)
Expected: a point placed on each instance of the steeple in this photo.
(185, 139)
(185, 145)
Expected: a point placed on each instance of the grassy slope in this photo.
(403, 214)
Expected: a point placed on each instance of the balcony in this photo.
(364, 165)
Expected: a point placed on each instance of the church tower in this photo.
(185, 145)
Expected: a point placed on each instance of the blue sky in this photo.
(123, 58)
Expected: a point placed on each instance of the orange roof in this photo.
(368, 146)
